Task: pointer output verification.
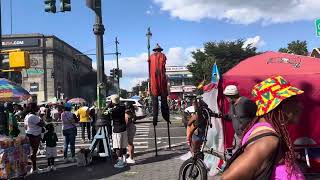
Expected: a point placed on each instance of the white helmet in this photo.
(231, 90)
(115, 99)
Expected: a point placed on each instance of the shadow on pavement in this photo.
(98, 170)
(161, 157)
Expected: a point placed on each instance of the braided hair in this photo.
(279, 122)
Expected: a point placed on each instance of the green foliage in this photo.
(143, 86)
(226, 54)
(296, 47)
(123, 93)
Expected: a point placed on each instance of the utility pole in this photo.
(117, 55)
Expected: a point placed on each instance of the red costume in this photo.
(158, 83)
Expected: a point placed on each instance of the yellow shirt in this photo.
(83, 114)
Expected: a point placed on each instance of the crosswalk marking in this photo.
(140, 142)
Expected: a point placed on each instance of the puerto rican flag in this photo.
(215, 137)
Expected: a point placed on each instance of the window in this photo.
(188, 81)
(176, 82)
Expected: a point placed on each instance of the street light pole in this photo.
(149, 35)
(117, 55)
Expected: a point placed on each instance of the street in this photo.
(164, 166)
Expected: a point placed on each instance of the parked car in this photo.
(140, 108)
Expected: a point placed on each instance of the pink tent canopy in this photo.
(301, 71)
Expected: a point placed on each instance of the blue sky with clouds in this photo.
(180, 26)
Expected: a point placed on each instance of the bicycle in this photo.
(194, 167)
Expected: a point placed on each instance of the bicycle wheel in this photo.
(199, 171)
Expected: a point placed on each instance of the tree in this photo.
(143, 86)
(296, 47)
(226, 54)
(123, 93)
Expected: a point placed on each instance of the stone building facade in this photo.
(56, 68)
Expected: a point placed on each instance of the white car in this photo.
(140, 108)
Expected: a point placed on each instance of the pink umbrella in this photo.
(77, 101)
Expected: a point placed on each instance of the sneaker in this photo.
(53, 168)
(130, 161)
(120, 164)
(34, 171)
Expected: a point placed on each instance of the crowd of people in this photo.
(40, 122)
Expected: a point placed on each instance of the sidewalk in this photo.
(165, 166)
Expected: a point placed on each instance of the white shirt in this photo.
(31, 121)
(42, 110)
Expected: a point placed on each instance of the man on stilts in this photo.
(159, 86)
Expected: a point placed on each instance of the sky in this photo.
(179, 26)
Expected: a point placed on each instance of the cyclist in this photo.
(196, 128)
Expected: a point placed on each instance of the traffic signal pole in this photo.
(98, 30)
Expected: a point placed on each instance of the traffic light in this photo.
(52, 74)
(118, 73)
(93, 4)
(112, 72)
(50, 6)
(19, 59)
(65, 5)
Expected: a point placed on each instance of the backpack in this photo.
(84, 157)
(267, 172)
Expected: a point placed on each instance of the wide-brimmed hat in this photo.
(269, 93)
(157, 48)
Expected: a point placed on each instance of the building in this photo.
(180, 81)
(56, 68)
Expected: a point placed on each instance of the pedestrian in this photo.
(270, 153)
(13, 127)
(241, 112)
(18, 113)
(33, 125)
(3, 121)
(51, 139)
(196, 127)
(92, 114)
(119, 135)
(55, 115)
(42, 112)
(69, 131)
(131, 130)
(83, 114)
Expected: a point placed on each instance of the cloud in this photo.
(254, 42)
(150, 11)
(242, 11)
(135, 68)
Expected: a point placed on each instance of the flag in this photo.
(215, 137)
(215, 74)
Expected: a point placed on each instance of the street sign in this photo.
(318, 27)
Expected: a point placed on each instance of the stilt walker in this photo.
(158, 86)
